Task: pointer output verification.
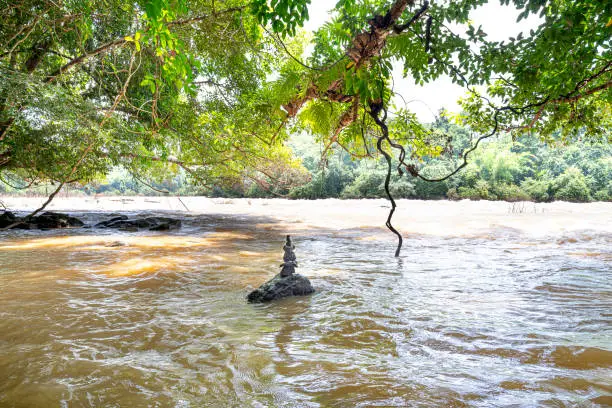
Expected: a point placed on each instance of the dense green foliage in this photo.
(500, 170)
(555, 81)
(86, 86)
(526, 169)
(210, 91)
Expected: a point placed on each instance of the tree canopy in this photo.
(215, 87)
(152, 86)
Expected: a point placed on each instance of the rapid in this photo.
(490, 304)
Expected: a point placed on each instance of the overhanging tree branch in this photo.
(374, 112)
(364, 47)
(122, 41)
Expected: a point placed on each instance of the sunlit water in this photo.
(489, 305)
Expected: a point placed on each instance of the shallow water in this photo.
(490, 305)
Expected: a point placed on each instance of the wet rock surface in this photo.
(151, 223)
(53, 220)
(6, 219)
(280, 287)
(286, 283)
(46, 220)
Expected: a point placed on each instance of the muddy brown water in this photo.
(490, 305)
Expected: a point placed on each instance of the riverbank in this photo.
(445, 218)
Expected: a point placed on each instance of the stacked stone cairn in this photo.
(286, 283)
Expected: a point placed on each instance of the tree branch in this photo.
(121, 41)
(375, 114)
(399, 28)
(82, 58)
(365, 46)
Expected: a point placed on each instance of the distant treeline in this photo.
(502, 169)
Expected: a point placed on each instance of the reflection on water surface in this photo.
(484, 308)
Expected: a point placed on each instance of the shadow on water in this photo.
(93, 317)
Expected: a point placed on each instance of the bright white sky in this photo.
(499, 22)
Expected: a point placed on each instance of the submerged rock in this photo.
(115, 244)
(286, 283)
(150, 223)
(46, 220)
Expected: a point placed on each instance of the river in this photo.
(490, 304)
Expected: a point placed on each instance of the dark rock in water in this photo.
(7, 218)
(47, 220)
(280, 287)
(286, 283)
(112, 220)
(116, 244)
(151, 223)
(167, 225)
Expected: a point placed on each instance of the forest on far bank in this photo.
(525, 169)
